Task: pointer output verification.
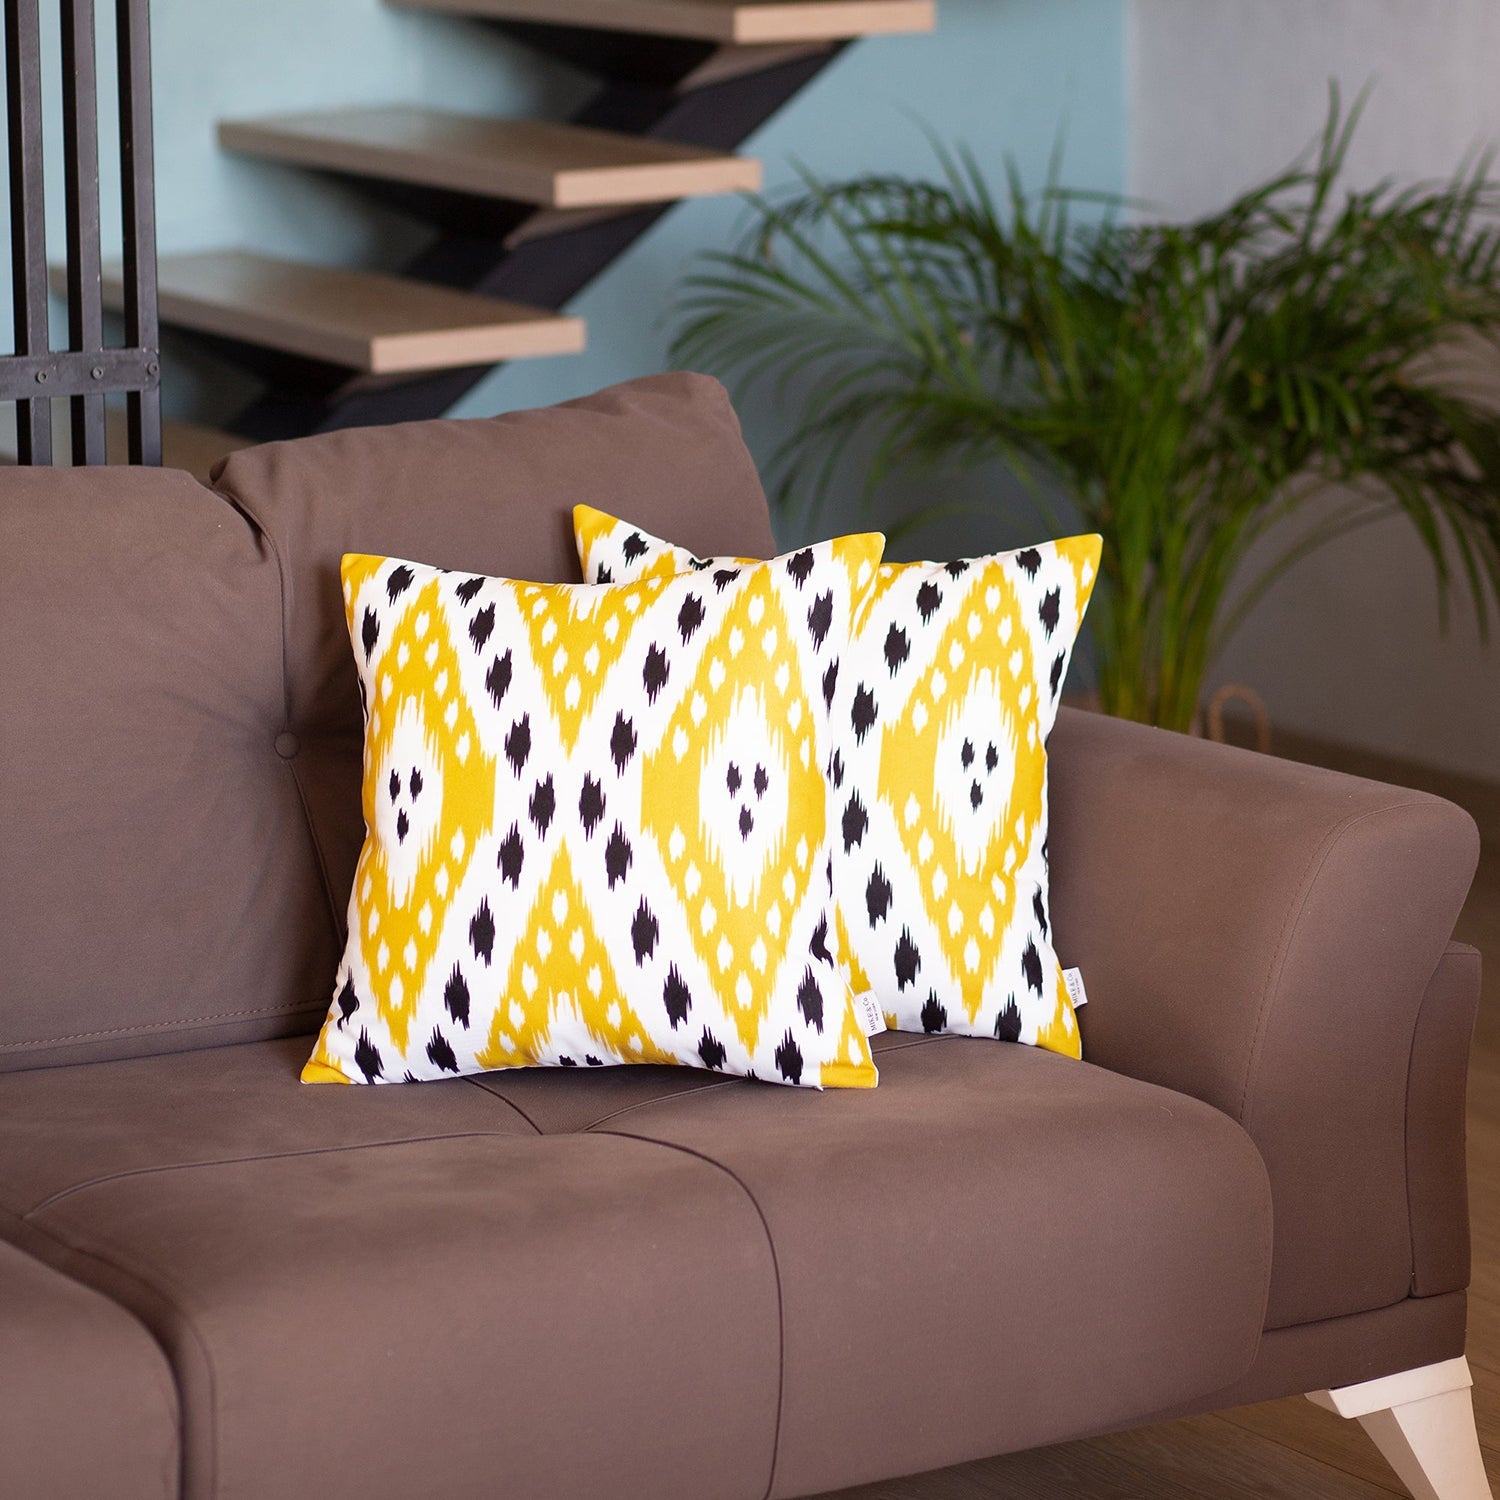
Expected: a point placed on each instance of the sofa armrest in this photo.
(1266, 936)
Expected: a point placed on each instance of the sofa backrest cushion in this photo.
(155, 865)
(181, 715)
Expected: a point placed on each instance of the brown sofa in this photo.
(647, 1282)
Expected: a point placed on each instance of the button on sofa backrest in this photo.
(181, 734)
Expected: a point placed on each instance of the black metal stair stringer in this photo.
(616, 58)
(482, 255)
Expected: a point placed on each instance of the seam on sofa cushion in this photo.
(913, 1040)
(219, 1018)
(1411, 1218)
(477, 1080)
(238, 503)
(775, 1271)
(626, 1109)
(159, 1290)
(708, 1088)
(1468, 954)
(340, 935)
(232, 1161)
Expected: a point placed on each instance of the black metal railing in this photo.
(87, 371)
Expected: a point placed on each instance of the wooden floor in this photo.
(1292, 1450)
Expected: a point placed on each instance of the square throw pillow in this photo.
(598, 824)
(941, 713)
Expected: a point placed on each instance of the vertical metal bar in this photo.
(28, 228)
(143, 408)
(80, 91)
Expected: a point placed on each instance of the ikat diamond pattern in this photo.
(941, 713)
(598, 825)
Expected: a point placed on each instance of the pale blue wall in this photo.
(1005, 76)
(1002, 75)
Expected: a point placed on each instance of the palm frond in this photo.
(1181, 382)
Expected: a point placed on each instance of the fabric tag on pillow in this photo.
(1073, 978)
(870, 1013)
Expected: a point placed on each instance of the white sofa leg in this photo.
(1423, 1423)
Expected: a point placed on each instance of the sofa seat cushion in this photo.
(997, 1248)
(644, 1281)
(86, 1394)
(419, 1297)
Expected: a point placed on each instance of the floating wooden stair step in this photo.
(729, 22)
(380, 324)
(184, 445)
(528, 161)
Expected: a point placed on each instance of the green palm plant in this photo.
(1191, 387)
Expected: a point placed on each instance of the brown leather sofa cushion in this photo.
(87, 1402)
(181, 735)
(735, 1288)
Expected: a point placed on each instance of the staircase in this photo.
(524, 213)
